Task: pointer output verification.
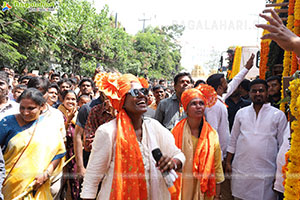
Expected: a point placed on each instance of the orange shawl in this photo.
(203, 163)
(129, 180)
(129, 174)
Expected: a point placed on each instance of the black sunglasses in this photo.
(136, 92)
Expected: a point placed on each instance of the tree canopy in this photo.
(75, 38)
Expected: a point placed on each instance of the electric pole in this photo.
(144, 22)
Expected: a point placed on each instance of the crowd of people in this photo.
(118, 136)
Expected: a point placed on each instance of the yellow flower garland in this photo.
(297, 12)
(236, 61)
(292, 170)
(287, 61)
(296, 30)
(292, 182)
(287, 54)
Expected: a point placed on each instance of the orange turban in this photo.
(203, 91)
(115, 86)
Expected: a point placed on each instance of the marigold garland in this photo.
(296, 30)
(294, 67)
(287, 61)
(265, 48)
(284, 168)
(292, 181)
(297, 12)
(291, 7)
(283, 104)
(288, 54)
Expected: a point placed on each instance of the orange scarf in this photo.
(129, 180)
(129, 174)
(203, 163)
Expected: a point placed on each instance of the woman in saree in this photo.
(202, 174)
(32, 150)
(69, 110)
(127, 168)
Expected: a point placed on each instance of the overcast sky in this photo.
(210, 25)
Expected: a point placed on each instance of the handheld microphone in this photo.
(169, 177)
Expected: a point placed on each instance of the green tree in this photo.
(75, 38)
(158, 51)
(21, 44)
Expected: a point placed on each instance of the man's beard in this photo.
(258, 102)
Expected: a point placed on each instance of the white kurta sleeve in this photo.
(235, 82)
(213, 116)
(235, 132)
(98, 164)
(167, 143)
(217, 117)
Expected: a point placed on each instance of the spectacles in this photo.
(136, 92)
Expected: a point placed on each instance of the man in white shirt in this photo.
(256, 136)
(7, 107)
(217, 115)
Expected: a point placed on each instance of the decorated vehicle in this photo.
(236, 59)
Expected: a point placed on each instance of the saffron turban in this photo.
(115, 86)
(202, 91)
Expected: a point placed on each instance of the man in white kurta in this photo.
(217, 115)
(101, 162)
(255, 139)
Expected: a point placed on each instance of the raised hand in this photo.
(249, 63)
(285, 38)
